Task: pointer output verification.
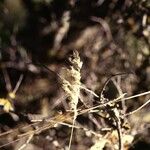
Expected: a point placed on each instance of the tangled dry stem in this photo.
(70, 78)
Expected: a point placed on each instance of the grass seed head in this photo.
(71, 80)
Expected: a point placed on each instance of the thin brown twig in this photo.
(116, 100)
(117, 85)
(109, 79)
(26, 143)
(18, 83)
(105, 26)
(7, 80)
(118, 125)
(88, 90)
(3, 145)
(136, 110)
(16, 130)
(49, 123)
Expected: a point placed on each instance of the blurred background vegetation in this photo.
(111, 36)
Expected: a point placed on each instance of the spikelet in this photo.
(71, 80)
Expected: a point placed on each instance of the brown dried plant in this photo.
(70, 78)
(71, 84)
(46, 123)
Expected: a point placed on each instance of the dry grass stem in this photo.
(134, 111)
(120, 98)
(51, 122)
(27, 142)
(71, 85)
(18, 84)
(90, 91)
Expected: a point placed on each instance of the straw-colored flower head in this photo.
(71, 80)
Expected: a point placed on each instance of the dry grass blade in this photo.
(70, 78)
(36, 128)
(120, 98)
(134, 111)
(18, 84)
(7, 80)
(8, 143)
(27, 142)
(90, 91)
(51, 122)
